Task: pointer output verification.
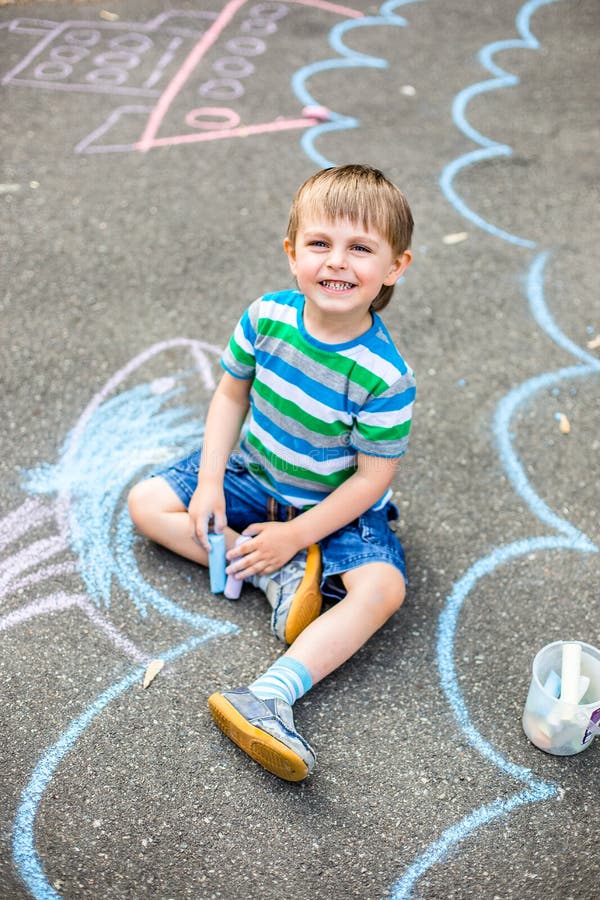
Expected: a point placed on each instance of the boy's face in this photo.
(340, 267)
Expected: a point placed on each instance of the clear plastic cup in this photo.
(552, 724)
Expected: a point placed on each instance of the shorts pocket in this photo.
(369, 530)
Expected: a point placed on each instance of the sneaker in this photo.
(294, 593)
(265, 730)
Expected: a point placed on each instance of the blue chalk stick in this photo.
(552, 684)
(217, 563)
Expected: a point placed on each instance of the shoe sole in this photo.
(267, 751)
(307, 602)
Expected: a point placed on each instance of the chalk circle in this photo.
(246, 46)
(221, 89)
(110, 75)
(69, 54)
(53, 71)
(117, 58)
(85, 37)
(138, 43)
(269, 11)
(258, 26)
(212, 117)
(235, 66)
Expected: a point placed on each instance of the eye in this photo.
(362, 249)
(317, 244)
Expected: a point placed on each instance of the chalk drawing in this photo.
(134, 59)
(565, 536)
(80, 498)
(153, 63)
(127, 59)
(348, 58)
(24, 853)
(123, 433)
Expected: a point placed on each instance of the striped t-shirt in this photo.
(313, 405)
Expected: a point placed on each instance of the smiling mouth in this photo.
(337, 285)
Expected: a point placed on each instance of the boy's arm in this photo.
(350, 500)
(224, 420)
(275, 543)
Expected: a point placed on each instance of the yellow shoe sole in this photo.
(307, 602)
(264, 749)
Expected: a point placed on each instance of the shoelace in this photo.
(292, 570)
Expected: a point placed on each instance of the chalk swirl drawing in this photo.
(564, 536)
(348, 58)
(148, 424)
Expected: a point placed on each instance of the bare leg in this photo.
(375, 592)
(159, 514)
(264, 728)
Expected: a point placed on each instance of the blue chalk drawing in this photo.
(117, 440)
(347, 58)
(566, 536)
(142, 427)
(489, 148)
(24, 852)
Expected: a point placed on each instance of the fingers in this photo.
(202, 524)
(199, 532)
(219, 521)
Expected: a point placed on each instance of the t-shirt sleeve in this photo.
(238, 358)
(382, 426)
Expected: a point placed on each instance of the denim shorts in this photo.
(367, 539)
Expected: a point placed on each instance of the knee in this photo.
(390, 593)
(137, 504)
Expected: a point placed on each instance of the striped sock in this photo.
(287, 679)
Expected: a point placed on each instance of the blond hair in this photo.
(364, 196)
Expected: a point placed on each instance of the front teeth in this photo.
(337, 285)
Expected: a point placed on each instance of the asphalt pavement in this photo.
(150, 152)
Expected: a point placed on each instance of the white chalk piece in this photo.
(562, 711)
(217, 563)
(570, 672)
(152, 670)
(572, 685)
(233, 585)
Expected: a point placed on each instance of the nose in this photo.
(337, 258)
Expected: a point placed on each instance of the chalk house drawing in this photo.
(162, 66)
(159, 66)
(563, 535)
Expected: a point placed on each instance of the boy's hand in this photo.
(272, 545)
(207, 503)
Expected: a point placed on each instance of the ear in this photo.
(399, 267)
(291, 254)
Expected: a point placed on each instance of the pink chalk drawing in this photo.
(164, 67)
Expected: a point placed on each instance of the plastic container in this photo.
(552, 723)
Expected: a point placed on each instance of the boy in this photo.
(330, 402)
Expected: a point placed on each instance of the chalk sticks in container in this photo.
(233, 585)
(570, 672)
(217, 562)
